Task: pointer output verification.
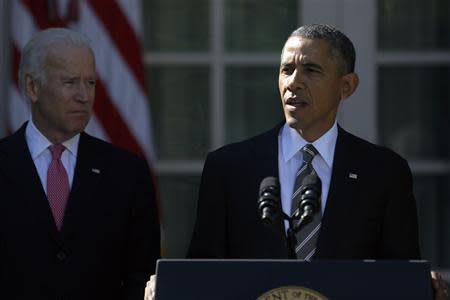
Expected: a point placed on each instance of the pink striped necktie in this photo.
(57, 185)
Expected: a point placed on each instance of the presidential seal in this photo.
(292, 293)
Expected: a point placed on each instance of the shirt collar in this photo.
(292, 142)
(38, 143)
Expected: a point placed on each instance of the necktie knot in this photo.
(56, 151)
(309, 151)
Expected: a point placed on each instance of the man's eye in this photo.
(92, 82)
(287, 70)
(68, 82)
(312, 70)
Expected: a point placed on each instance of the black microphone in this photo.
(310, 192)
(269, 203)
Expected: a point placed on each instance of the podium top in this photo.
(292, 279)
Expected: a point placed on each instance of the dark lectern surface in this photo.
(249, 279)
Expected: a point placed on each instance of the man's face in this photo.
(62, 104)
(310, 86)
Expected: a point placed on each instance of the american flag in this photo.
(122, 110)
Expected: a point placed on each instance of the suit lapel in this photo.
(88, 173)
(19, 167)
(342, 192)
(266, 153)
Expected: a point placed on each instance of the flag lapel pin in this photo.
(352, 176)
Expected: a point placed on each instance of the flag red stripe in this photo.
(15, 65)
(123, 35)
(39, 9)
(113, 122)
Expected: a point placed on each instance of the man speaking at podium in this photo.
(367, 204)
(366, 209)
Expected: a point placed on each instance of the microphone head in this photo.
(270, 184)
(310, 192)
(269, 203)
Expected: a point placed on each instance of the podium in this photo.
(292, 279)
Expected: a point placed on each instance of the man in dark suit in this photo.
(78, 218)
(370, 216)
(370, 210)
(367, 209)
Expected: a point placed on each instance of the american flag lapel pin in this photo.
(96, 171)
(353, 175)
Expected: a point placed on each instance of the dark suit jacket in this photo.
(373, 216)
(109, 241)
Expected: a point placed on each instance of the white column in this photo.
(357, 19)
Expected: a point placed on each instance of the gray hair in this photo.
(35, 51)
(340, 45)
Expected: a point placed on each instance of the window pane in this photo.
(254, 25)
(253, 101)
(414, 24)
(178, 206)
(414, 110)
(433, 204)
(180, 109)
(176, 25)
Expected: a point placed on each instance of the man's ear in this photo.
(31, 88)
(350, 82)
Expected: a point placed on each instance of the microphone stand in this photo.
(291, 240)
(292, 230)
(269, 206)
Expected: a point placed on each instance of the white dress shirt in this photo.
(38, 146)
(290, 159)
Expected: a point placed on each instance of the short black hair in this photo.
(340, 45)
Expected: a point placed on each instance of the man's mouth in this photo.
(294, 103)
(79, 113)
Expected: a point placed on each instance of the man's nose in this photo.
(82, 92)
(295, 81)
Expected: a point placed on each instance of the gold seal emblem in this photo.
(292, 293)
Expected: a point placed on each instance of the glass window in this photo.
(180, 106)
(414, 110)
(253, 101)
(432, 194)
(262, 26)
(414, 24)
(178, 212)
(176, 25)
